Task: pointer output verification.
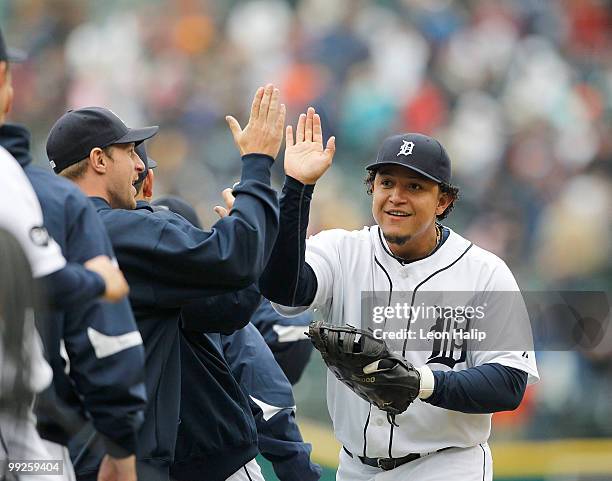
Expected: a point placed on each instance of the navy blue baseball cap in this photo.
(148, 162)
(417, 152)
(8, 54)
(78, 131)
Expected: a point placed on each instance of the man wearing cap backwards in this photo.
(109, 388)
(168, 262)
(443, 433)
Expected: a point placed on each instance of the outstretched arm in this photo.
(287, 279)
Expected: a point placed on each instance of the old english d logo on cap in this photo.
(406, 148)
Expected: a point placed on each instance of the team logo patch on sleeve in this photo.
(39, 236)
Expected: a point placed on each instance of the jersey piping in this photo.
(408, 321)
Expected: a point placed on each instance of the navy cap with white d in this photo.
(77, 132)
(417, 152)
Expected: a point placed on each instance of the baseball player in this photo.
(168, 262)
(81, 335)
(443, 433)
(265, 388)
(23, 369)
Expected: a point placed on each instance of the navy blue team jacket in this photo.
(225, 379)
(217, 434)
(110, 389)
(271, 399)
(170, 264)
(217, 414)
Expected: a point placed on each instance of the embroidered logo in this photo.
(39, 236)
(406, 148)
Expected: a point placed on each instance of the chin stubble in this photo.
(399, 240)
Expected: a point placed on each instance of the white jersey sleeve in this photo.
(509, 325)
(21, 215)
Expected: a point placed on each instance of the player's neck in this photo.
(416, 247)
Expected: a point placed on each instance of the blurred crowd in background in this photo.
(519, 92)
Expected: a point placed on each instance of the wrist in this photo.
(115, 451)
(428, 382)
(256, 167)
(291, 183)
(300, 179)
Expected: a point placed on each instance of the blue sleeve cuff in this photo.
(256, 167)
(295, 185)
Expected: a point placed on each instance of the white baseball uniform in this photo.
(346, 265)
(21, 215)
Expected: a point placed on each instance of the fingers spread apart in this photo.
(256, 103)
(265, 103)
(309, 121)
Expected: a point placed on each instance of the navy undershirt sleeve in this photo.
(482, 389)
(288, 279)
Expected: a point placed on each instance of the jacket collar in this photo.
(143, 204)
(16, 139)
(99, 203)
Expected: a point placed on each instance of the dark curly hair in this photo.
(449, 189)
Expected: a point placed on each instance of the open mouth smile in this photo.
(397, 213)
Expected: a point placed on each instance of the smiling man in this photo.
(168, 262)
(443, 432)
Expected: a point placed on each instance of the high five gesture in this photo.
(264, 132)
(305, 158)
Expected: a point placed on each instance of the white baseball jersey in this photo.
(21, 215)
(346, 265)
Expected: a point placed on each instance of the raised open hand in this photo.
(305, 159)
(264, 132)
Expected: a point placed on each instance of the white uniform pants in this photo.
(23, 443)
(249, 472)
(458, 464)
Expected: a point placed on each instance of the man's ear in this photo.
(5, 81)
(98, 160)
(147, 185)
(9, 100)
(444, 200)
(3, 72)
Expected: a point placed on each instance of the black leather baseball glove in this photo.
(365, 365)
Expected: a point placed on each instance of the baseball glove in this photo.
(364, 364)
